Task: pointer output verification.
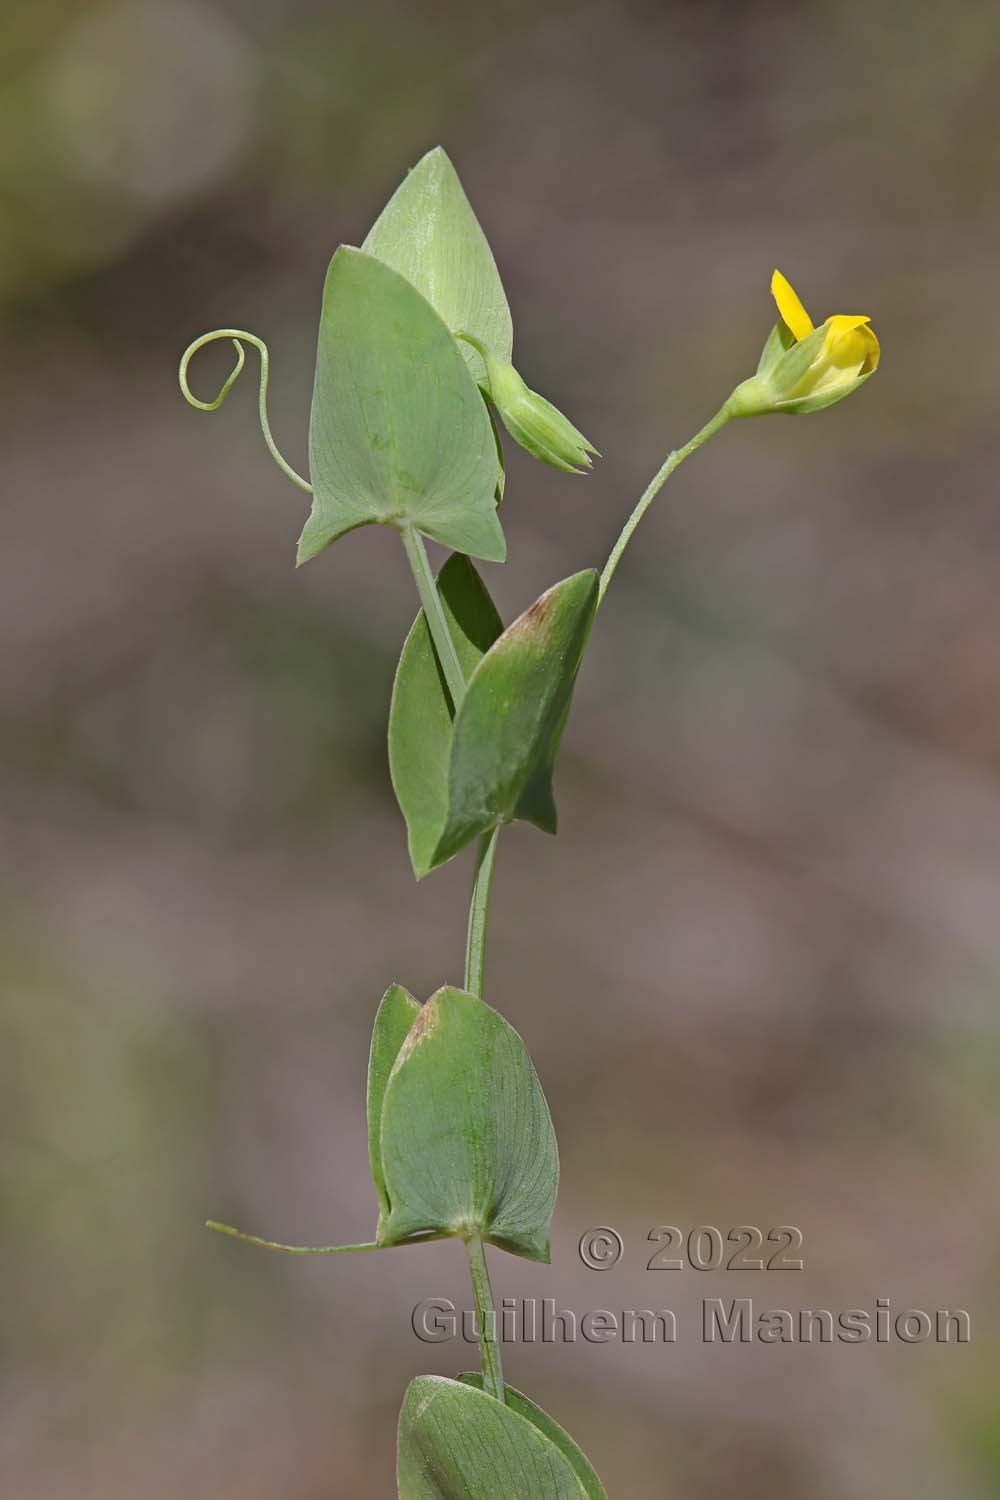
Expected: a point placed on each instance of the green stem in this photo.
(486, 1317)
(649, 495)
(434, 614)
(482, 1289)
(444, 645)
(479, 911)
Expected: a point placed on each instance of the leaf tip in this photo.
(311, 541)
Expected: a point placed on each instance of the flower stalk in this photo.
(672, 462)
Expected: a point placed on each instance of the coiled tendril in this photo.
(239, 337)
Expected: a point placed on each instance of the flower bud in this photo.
(539, 427)
(802, 368)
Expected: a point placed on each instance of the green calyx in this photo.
(540, 428)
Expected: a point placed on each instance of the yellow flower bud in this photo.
(804, 368)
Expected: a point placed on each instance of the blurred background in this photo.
(758, 970)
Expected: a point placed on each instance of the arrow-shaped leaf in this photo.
(456, 778)
(396, 1014)
(421, 715)
(399, 433)
(429, 234)
(466, 1143)
(592, 1486)
(456, 1442)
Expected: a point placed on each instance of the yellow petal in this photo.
(874, 353)
(793, 314)
(850, 342)
(844, 322)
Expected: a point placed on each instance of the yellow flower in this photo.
(804, 368)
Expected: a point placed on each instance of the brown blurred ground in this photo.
(757, 972)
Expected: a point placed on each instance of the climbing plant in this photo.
(414, 379)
